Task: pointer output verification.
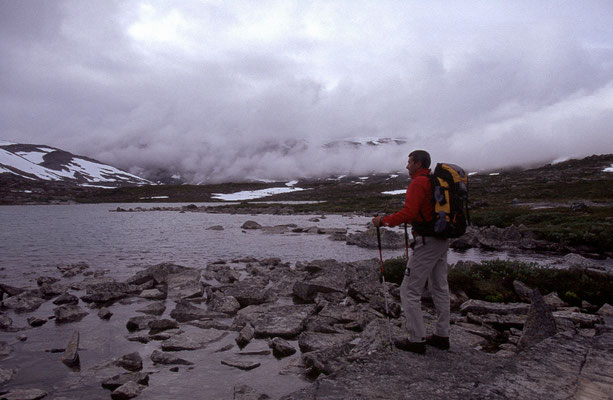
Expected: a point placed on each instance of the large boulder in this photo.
(69, 313)
(158, 273)
(283, 321)
(249, 292)
(184, 285)
(23, 302)
(220, 303)
(539, 325)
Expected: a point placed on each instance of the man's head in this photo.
(418, 159)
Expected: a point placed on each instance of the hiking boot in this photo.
(440, 342)
(415, 347)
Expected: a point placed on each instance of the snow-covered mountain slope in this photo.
(45, 163)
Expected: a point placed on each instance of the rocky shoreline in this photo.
(323, 322)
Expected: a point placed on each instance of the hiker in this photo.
(427, 263)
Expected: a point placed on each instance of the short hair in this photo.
(421, 156)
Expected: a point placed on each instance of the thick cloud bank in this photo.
(219, 90)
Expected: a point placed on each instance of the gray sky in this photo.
(222, 89)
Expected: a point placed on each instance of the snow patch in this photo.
(154, 197)
(254, 194)
(5, 143)
(495, 174)
(394, 192)
(610, 169)
(35, 157)
(291, 183)
(559, 160)
(472, 173)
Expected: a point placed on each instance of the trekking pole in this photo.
(389, 323)
(406, 241)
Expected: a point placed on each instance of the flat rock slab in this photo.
(159, 357)
(187, 341)
(241, 364)
(116, 381)
(23, 302)
(24, 394)
(283, 321)
(70, 357)
(485, 307)
(6, 374)
(69, 313)
(581, 319)
(156, 308)
(5, 349)
(313, 341)
(184, 285)
(185, 312)
(126, 391)
(244, 392)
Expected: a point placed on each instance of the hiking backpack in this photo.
(450, 199)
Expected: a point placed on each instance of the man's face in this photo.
(413, 166)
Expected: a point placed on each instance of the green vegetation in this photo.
(492, 280)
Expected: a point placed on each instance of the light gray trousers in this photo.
(428, 261)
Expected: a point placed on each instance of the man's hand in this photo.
(377, 221)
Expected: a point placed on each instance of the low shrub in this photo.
(393, 269)
(492, 280)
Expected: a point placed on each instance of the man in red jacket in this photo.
(428, 261)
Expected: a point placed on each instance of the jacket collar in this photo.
(421, 172)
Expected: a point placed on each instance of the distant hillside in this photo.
(35, 163)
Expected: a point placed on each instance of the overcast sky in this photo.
(223, 89)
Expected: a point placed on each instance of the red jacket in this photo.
(418, 198)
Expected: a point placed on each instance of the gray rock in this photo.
(105, 313)
(224, 304)
(159, 357)
(180, 342)
(139, 323)
(497, 321)
(108, 292)
(241, 364)
(69, 313)
(66, 298)
(116, 381)
(245, 336)
(165, 335)
(522, 291)
(283, 321)
(368, 239)
(222, 273)
(6, 374)
(131, 362)
(539, 325)
(605, 311)
(554, 301)
(5, 322)
(41, 280)
(36, 322)
(314, 341)
(152, 294)
(126, 391)
(249, 292)
(184, 312)
(156, 308)
(49, 291)
(70, 357)
(251, 225)
(24, 394)
(157, 273)
(281, 348)
(161, 325)
(244, 392)
(5, 349)
(580, 319)
(184, 285)
(23, 302)
(485, 307)
(70, 270)
(215, 228)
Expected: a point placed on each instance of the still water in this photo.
(36, 238)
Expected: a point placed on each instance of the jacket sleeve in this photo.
(417, 194)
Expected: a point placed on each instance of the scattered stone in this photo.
(139, 337)
(165, 335)
(69, 313)
(66, 298)
(281, 348)
(606, 310)
(215, 228)
(184, 312)
(23, 302)
(126, 391)
(6, 374)
(283, 321)
(131, 362)
(161, 325)
(24, 394)
(139, 323)
(251, 225)
(485, 307)
(184, 285)
(70, 358)
(105, 313)
(157, 273)
(41, 280)
(70, 270)
(249, 292)
(181, 342)
(554, 301)
(22, 338)
(579, 319)
(49, 291)
(224, 304)
(314, 341)
(241, 364)
(156, 308)
(224, 348)
(245, 336)
(539, 325)
(244, 392)
(5, 350)
(159, 357)
(522, 291)
(152, 294)
(116, 381)
(5, 322)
